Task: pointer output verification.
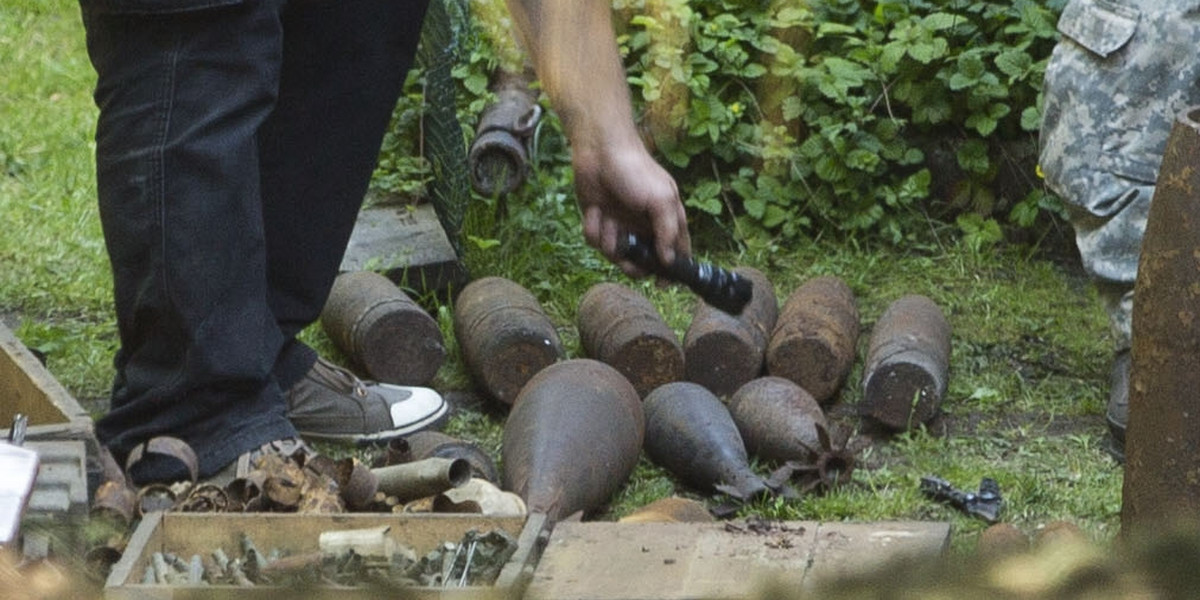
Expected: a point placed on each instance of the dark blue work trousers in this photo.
(234, 145)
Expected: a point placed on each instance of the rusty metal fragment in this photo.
(814, 340)
(908, 362)
(690, 433)
(777, 419)
(498, 157)
(380, 328)
(1162, 438)
(722, 352)
(430, 444)
(572, 438)
(621, 328)
(113, 499)
(422, 478)
(504, 336)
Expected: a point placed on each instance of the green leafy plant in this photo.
(790, 120)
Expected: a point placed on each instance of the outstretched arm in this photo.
(619, 186)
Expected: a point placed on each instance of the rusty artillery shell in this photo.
(572, 438)
(690, 433)
(777, 419)
(429, 444)
(1162, 439)
(722, 352)
(504, 335)
(621, 328)
(907, 365)
(381, 329)
(814, 340)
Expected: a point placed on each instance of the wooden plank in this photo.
(608, 561)
(406, 244)
(846, 549)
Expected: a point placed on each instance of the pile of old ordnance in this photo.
(751, 386)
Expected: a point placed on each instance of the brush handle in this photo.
(719, 287)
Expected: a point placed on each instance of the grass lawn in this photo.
(1029, 358)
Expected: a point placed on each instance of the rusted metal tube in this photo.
(815, 338)
(430, 444)
(382, 329)
(690, 433)
(504, 336)
(498, 157)
(1162, 438)
(572, 438)
(422, 478)
(907, 365)
(620, 327)
(777, 419)
(722, 352)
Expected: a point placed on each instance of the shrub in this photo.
(798, 119)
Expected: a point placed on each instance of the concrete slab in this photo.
(407, 244)
(612, 561)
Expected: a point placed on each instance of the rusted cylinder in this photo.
(572, 438)
(422, 478)
(1162, 438)
(504, 336)
(689, 432)
(430, 444)
(815, 338)
(498, 157)
(621, 328)
(777, 419)
(722, 352)
(381, 329)
(908, 362)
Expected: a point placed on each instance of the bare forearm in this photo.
(575, 55)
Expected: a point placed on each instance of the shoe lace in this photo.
(336, 377)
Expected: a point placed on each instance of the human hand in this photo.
(620, 189)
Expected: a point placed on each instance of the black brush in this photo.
(720, 288)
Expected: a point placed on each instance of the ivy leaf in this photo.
(1014, 63)
(982, 123)
(755, 207)
(773, 216)
(1031, 118)
(753, 70)
(929, 51)
(829, 28)
(477, 83)
(793, 107)
(939, 21)
(973, 157)
(706, 197)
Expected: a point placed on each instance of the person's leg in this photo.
(181, 99)
(344, 66)
(1113, 87)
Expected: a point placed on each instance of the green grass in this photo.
(1030, 348)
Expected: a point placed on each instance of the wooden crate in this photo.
(186, 534)
(60, 430)
(27, 388)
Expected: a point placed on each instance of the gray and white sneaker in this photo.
(332, 404)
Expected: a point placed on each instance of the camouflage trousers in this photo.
(1115, 82)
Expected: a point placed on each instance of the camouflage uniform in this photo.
(1122, 71)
